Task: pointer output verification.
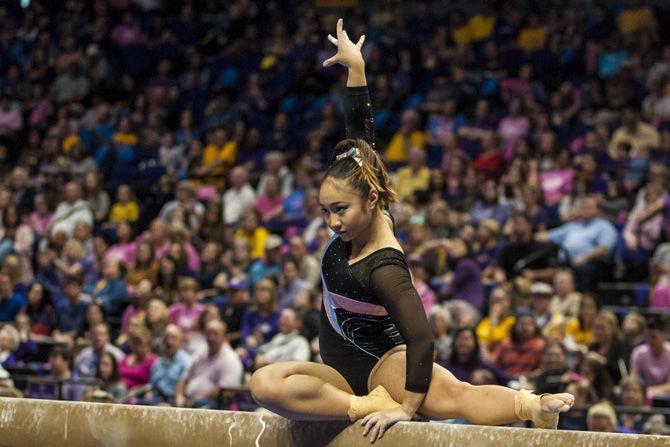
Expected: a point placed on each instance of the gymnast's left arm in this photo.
(393, 287)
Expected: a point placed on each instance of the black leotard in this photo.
(371, 306)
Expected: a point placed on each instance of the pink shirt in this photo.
(653, 370)
(137, 374)
(192, 257)
(185, 317)
(223, 369)
(556, 184)
(122, 252)
(265, 204)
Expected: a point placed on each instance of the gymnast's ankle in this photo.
(378, 399)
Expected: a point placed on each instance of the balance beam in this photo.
(32, 422)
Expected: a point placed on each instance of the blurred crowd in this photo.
(160, 228)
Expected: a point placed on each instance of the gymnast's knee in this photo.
(265, 384)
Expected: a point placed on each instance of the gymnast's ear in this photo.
(373, 198)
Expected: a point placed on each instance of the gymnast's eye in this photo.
(340, 210)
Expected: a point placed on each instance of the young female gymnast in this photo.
(374, 338)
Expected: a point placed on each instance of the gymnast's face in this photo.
(344, 210)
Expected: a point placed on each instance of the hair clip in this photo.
(353, 153)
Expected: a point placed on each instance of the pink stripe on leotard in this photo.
(358, 307)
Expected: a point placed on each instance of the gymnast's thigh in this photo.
(443, 395)
(276, 372)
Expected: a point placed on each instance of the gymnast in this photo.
(374, 336)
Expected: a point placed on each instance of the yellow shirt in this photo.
(256, 240)
(644, 137)
(125, 138)
(407, 181)
(532, 39)
(581, 337)
(490, 336)
(461, 35)
(396, 151)
(124, 211)
(481, 27)
(227, 153)
(632, 20)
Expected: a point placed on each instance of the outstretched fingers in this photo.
(360, 42)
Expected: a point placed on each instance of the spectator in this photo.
(86, 362)
(9, 344)
(95, 196)
(440, 323)
(40, 310)
(521, 354)
(196, 341)
(185, 201)
(634, 132)
(110, 292)
(255, 233)
(419, 278)
(238, 197)
(60, 363)
(588, 245)
(287, 345)
(107, 372)
(270, 265)
(466, 358)
(70, 211)
(608, 349)
(169, 368)
(308, 265)
(186, 312)
(125, 208)
(71, 313)
(601, 418)
(143, 267)
(633, 394)
(135, 368)
(259, 322)
(466, 281)
(210, 371)
(651, 361)
(554, 373)
(496, 327)
(566, 300)
(579, 330)
(540, 296)
(633, 328)
(235, 309)
(407, 137)
(11, 303)
(414, 177)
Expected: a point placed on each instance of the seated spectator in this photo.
(186, 202)
(238, 196)
(308, 264)
(196, 341)
(634, 328)
(440, 324)
(255, 233)
(71, 313)
(608, 349)
(268, 266)
(111, 291)
(11, 303)
(125, 208)
(125, 248)
(490, 161)
(70, 211)
(135, 368)
(465, 283)
(633, 131)
(601, 418)
(497, 325)
(73, 261)
(40, 310)
(96, 196)
(136, 311)
(525, 256)
(86, 362)
(186, 312)
(521, 354)
(579, 330)
(210, 371)
(554, 372)
(260, 321)
(588, 244)
(107, 372)
(540, 296)
(651, 361)
(290, 284)
(60, 364)
(660, 266)
(414, 177)
(288, 345)
(407, 137)
(566, 300)
(489, 206)
(488, 243)
(156, 319)
(9, 343)
(269, 204)
(143, 267)
(170, 367)
(466, 357)
(633, 394)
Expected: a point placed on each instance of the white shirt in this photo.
(235, 201)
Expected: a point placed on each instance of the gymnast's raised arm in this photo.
(357, 104)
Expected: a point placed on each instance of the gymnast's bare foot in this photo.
(557, 403)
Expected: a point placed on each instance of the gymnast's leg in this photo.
(312, 391)
(448, 397)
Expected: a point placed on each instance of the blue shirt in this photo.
(166, 372)
(11, 307)
(71, 317)
(580, 237)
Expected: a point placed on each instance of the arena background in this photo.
(159, 169)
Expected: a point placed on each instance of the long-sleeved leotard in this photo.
(371, 306)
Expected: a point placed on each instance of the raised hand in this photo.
(348, 53)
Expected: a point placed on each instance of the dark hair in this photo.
(364, 173)
(65, 354)
(115, 377)
(655, 323)
(476, 357)
(595, 299)
(514, 335)
(44, 303)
